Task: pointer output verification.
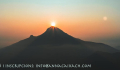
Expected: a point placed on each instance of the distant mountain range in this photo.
(56, 46)
(118, 47)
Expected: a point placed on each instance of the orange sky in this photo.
(91, 28)
(85, 20)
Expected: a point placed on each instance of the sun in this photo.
(53, 24)
(105, 18)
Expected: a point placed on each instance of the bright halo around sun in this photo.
(105, 18)
(53, 24)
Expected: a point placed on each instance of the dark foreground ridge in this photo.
(57, 47)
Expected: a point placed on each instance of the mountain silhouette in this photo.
(117, 47)
(54, 36)
(55, 46)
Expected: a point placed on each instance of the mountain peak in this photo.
(31, 36)
(53, 30)
(54, 35)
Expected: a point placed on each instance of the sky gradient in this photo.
(89, 20)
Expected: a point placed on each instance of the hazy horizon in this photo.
(89, 20)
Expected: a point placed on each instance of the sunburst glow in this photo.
(105, 18)
(53, 24)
